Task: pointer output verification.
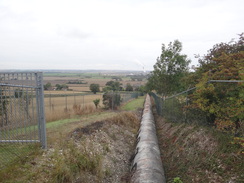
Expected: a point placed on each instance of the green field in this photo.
(134, 104)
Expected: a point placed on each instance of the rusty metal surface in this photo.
(147, 165)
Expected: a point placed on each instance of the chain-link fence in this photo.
(58, 105)
(22, 119)
(22, 109)
(181, 108)
(112, 100)
(175, 109)
(66, 101)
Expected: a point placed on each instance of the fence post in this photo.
(74, 98)
(41, 116)
(83, 102)
(113, 100)
(66, 107)
(50, 102)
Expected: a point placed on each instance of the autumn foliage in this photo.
(222, 101)
(213, 94)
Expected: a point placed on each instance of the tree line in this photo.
(114, 86)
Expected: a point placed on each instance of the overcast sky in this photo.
(110, 34)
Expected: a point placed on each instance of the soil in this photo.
(116, 145)
(101, 150)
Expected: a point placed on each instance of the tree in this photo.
(47, 86)
(117, 78)
(169, 69)
(222, 102)
(62, 87)
(113, 85)
(95, 88)
(141, 89)
(111, 100)
(3, 106)
(96, 102)
(128, 87)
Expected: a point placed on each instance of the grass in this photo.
(134, 104)
(83, 120)
(60, 74)
(10, 153)
(59, 117)
(71, 161)
(199, 154)
(55, 108)
(54, 129)
(68, 159)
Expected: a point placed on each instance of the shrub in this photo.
(95, 88)
(96, 102)
(111, 100)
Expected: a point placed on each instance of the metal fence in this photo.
(22, 118)
(176, 108)
(61, 104)
(65, 102)
(116, 98)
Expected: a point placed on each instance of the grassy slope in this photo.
(134, 104)
(193, 153)
(57, 131)
(199, 154)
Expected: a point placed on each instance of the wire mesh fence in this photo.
(24, 108)
(181, 107)
(112, 100)
(69, 103)
(22, 119)
(58, 106)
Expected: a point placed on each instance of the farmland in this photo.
(77, 99)
(87, 78)
(63, 106)
(89, 144)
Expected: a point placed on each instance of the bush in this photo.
(111, 100)
(96, 102)
(95, 88)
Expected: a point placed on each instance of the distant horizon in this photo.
(74, 70)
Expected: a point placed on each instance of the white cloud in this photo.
(110, 34)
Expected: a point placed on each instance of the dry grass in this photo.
(198, 154)
(69, 101)
(89, 155)
(94, 158)
(127, 119)
(54, 115)
(61, 92)
(64, 107)
(52, 165)
(88, 109)
(70, 160)
(97, 156)
(80, 88)
(57, 115)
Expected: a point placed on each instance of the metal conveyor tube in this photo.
(147, 165)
